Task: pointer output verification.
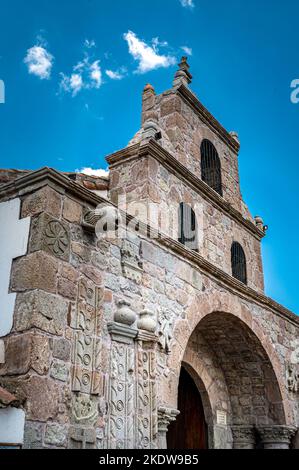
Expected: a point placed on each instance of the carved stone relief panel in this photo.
(120, 432)
(293, 378)
(50, 235)
(131, 262)
(147, 425)
(87, 348)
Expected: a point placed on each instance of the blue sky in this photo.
(73, 92)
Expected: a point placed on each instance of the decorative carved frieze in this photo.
(243, 437)
(86, 377)
(147, 426)
(120, 432)
(165, 417)
(293, 378)
(277, 437)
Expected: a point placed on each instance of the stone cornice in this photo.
(154, 150)
(48, 176)
(207, 117)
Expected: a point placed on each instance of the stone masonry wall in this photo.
(70, 364)
(183, 132)
(153, 194)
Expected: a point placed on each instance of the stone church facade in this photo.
(101, 332)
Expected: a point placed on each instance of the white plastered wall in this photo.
(14, 234)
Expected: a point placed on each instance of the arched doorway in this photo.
(189, 431)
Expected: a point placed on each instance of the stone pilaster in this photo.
(165, 417)
(147, 417)
(243, 437)
(277, 437)
(121, 391)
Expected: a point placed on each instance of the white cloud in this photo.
(187, 50)
(85, 76)
(89, 44)
(148, 57)
(187, 3)
(39, 62)
(115, 75)
(96, 74)
(91, 172)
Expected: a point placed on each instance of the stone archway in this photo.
(239, 377)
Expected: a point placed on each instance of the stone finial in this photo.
(150, 130)
(260, 224)
(125, 314)
(235, 136)
(182, 76)
(149, 88)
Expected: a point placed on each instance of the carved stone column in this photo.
(165, 417)
(277, 437)
(147, 408)
(121, 393)
(243, 437)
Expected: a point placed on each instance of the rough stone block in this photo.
(33, 435)
(36, 271)
(67, 288)
(72, 211)
(43, 200)
(55, 435)
(43, 399)
(41, 310)
(62, 349)
(24, 352)
(59, 371)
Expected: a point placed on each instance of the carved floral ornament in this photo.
(56, 238)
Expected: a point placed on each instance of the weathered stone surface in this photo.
(72, 211)
(44, 200)
(24, 352)
(36, 271)
(38, 406)
(59, 371)
(55, 435)
(33, 435)
(62, 349)
(44, 311)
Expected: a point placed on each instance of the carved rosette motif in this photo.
(120, 432)
(147, 426)
(56, 238)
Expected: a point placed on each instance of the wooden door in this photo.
(189, 431)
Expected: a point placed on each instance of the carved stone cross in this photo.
(82, 438)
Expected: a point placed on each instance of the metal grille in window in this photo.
(210, 166)
(239, 269)
(188, 227)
